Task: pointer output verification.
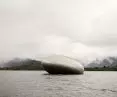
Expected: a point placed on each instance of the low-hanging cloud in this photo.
(36, 28)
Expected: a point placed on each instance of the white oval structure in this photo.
(57, 64)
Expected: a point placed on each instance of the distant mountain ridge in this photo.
(22, 64)
(30, 64)
(105, 62)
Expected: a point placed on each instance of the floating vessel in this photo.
(58, 64)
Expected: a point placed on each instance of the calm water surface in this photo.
(41, 84)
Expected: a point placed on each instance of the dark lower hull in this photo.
(61, 69)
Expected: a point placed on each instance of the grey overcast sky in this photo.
(84, 29)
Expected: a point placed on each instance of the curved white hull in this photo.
(68, 66)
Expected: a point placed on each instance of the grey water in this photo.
(41, 84)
